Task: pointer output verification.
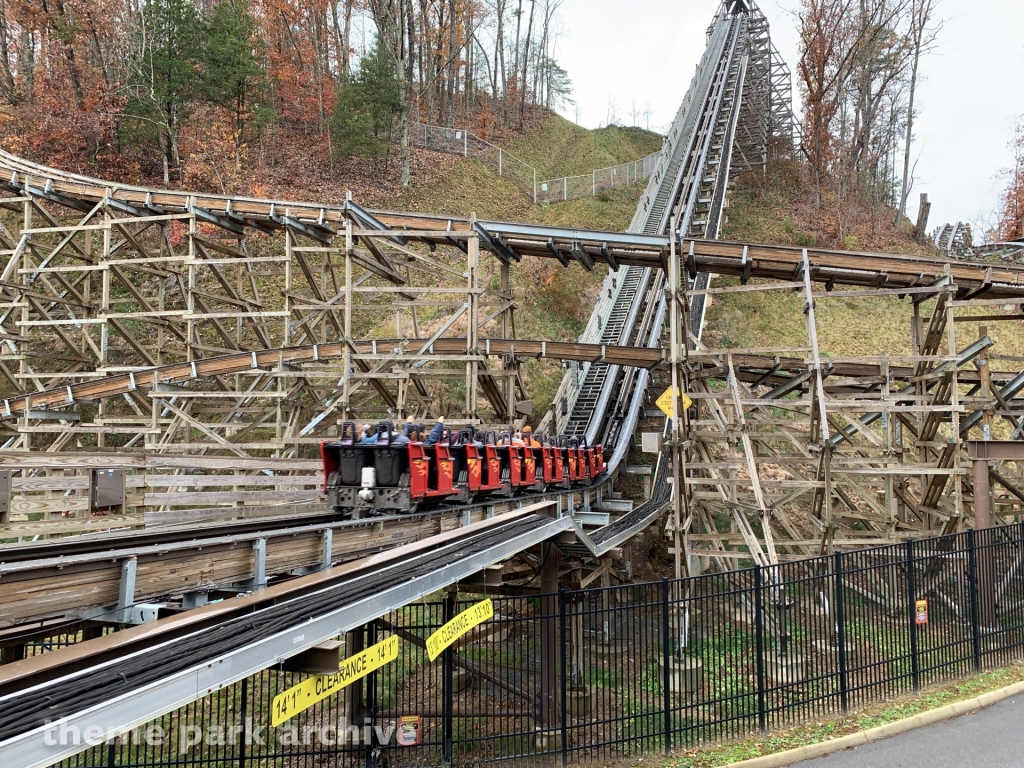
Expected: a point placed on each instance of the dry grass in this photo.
(778, 210)
(552, 303)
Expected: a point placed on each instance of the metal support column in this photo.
(370, 710)
(327, 545)
(549, 714)
(915, 661)
(259, 566)
(126, 590)
(354, 706)
(447, 684)
(981, 452)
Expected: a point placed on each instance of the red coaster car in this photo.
(387, 472)
(477, 465)
(555, 458)
(431, 469)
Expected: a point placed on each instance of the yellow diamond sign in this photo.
(668, 397)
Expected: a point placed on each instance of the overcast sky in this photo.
(645, 51)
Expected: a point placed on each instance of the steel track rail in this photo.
(60, 563)
(60, 553)
(139, 685)
(685, 163)
(135, 541)
(697, 158)
(37, 670)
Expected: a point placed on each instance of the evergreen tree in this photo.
(163, 73)
(365, 109)
(231, 77)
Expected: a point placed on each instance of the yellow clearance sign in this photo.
(666, 402)
(307, 693)
(457, 627)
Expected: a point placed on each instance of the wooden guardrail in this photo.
(57, 495)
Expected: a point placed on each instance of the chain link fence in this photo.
(455, 141)
(591, 184)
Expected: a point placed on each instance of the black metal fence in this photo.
(634, 668)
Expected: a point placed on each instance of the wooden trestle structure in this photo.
(175, 332)
(820, 452)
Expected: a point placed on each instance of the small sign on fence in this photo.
(921, 611)
(457, 627)
(307, 693)
(409, 730)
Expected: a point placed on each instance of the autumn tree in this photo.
(858, 72)
(297, 60)
(1011, 208)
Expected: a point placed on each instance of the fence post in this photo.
(915, 667)
(593, 184)
(465, 143)
(564, 674)
(972, 581)
(759, 634)
(534, 186)
(844, 686)
(499, 161)
(370, 711)
(565, 188)
(666, 653)
(244, 711)
(446, 724)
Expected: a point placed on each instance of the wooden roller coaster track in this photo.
(180, 323)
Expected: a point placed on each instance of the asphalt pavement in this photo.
(989, 738)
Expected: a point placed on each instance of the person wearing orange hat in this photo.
(528, 437)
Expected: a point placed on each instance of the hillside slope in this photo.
(553, 303)
(778, 208)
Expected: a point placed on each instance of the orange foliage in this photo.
(176, 232)
(213, 157)
(298, 51)
(1011, 209)
(67, 97)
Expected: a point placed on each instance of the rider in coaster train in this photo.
(409, 434)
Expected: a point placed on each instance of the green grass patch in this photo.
(559, 147)
(832, 728)
(776, 209)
